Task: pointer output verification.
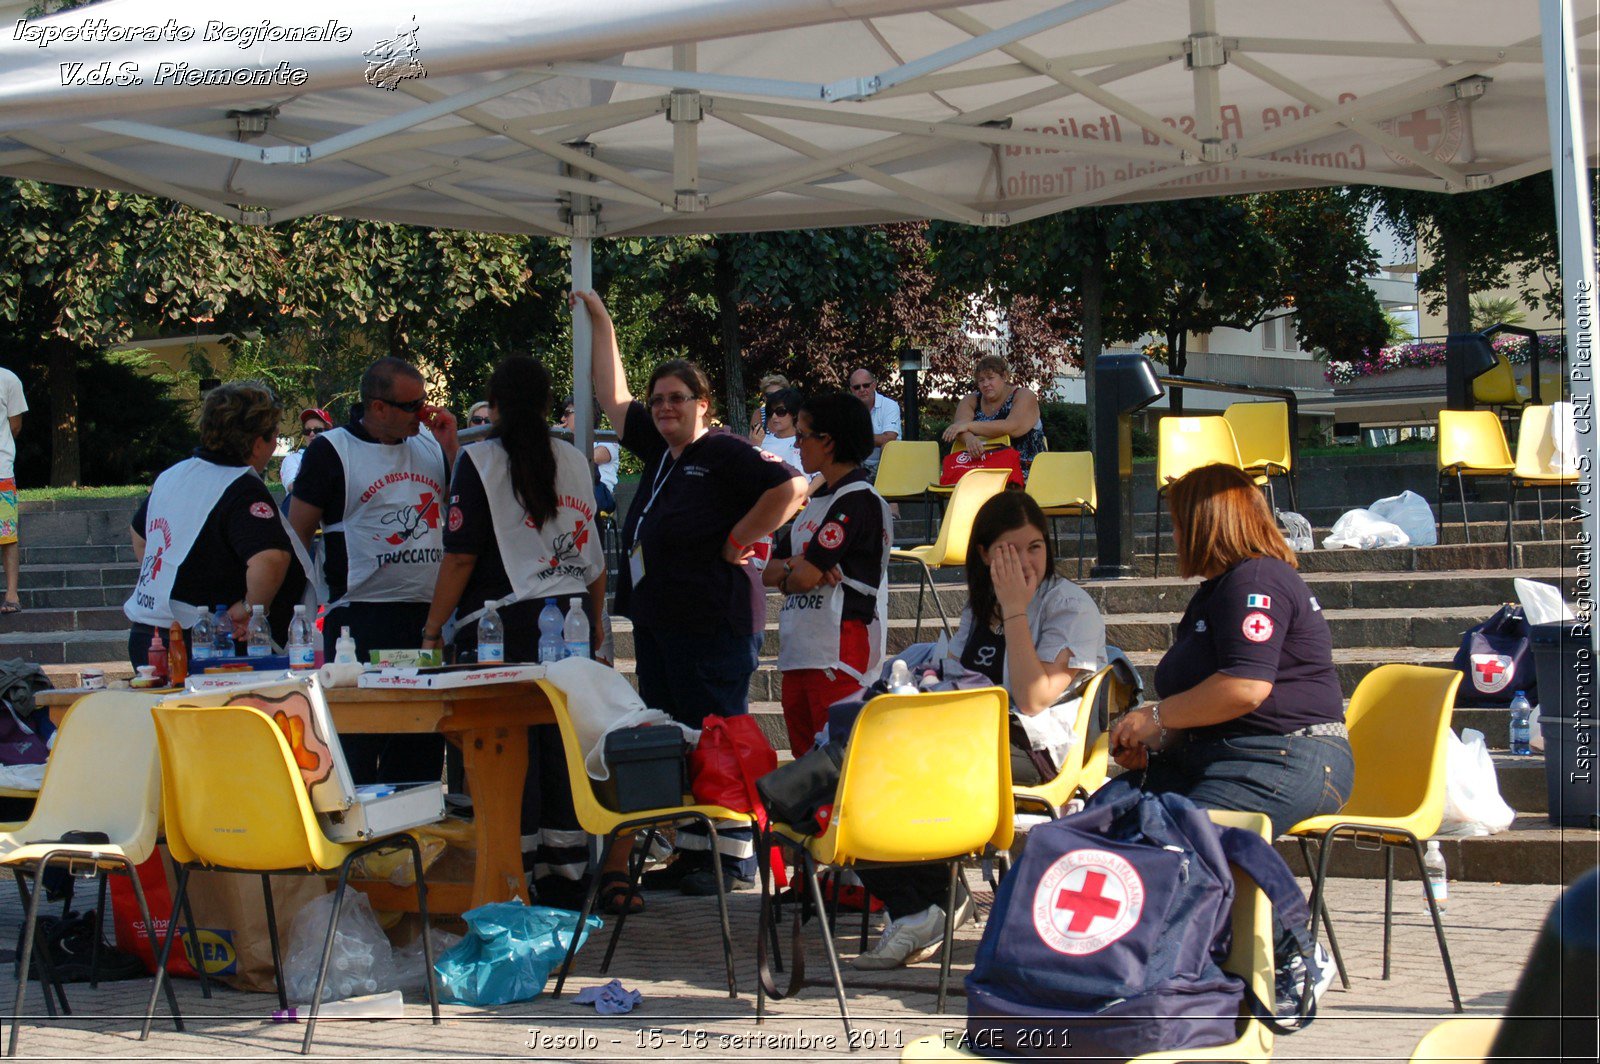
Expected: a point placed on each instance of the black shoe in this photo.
(703, 883)
(672, 876)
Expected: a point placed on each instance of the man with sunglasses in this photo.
(376, 486)
(885, 413)
(314, 421)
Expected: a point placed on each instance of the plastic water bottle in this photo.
(575, 630)
(302, 654)
(552, 645)
(1438, 883)
(900, 679)
(492, 636)
(222, 634)
(259, 635)
(202, 637)
(344, 649)
(1521, 730)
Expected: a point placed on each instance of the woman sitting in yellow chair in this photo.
(1033, 633)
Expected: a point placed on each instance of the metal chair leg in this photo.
(721, 881)
(166, 949)
(99, 918)
(1438, 924)
(1321, 911)
(589, 900)
(41, 955)
(272, 934)
(427, 942)
(194, 944)
(827, 942)
(1158, 533)
(327, 955)
(150, 936)
(949, 937)
(24, 955)
(1388, 904)
(1294, 500)
(1461, 493)
(1083, 518)
(1511, 506)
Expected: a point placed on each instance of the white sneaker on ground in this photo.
(1291, 983)
(907, 940)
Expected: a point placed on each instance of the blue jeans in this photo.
(1287, 777)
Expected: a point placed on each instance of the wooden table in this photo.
(490, 725)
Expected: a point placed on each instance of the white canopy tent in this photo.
(585, 119)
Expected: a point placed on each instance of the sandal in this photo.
(10, 607)
(614, 899)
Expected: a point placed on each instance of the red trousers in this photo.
(807, 693)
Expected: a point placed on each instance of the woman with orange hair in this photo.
(1250, 715)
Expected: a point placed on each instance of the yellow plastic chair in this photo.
(1054, 793)
(609, 824)
(1261, 432)
(969, 495)
(926, 778)
(1472, 443)
(1498, 385)
(1534, 453)
(1250, 958)
(1466, 1039)
(1399, 720)
(1185, 443)
(103, 775)
(1062, 483)
(993, 443)
(249, 812)
(906, 471)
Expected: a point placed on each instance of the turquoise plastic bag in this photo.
(508, 953)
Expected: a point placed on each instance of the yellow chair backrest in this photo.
(1460, 1038)
(907, 467)
(926, 776)
(1497, 386)
(232, 795)
(1062, 478)
(1185, 443)
(593, 817)
(1250, 957)
(1472, 439)
(104, 774)
(1398, 718)
(1261, 431)
(1057, 791)
(1535, 447)
(966, 499)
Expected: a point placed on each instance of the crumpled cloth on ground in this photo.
(613, 999)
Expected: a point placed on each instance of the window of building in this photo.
(1269, 335)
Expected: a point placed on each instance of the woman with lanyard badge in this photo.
(520, 530)
(703, 501)
(833, 569)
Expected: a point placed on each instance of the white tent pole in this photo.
(1575, 228)
(582, 255)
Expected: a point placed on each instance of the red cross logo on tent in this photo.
(1087, 900)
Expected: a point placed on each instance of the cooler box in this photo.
(649, 768)
(300, 709)
(1564, 657)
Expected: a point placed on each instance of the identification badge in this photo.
(636, 564)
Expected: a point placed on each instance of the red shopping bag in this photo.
(961, 463)
(130, 925)
(732, 754)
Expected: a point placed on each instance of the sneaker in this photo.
(1291, 982)
(907, 940)
(964, 905)
(702, 883)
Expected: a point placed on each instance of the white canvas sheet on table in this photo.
(431, 680)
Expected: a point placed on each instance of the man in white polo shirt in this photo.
(885, 413)
(12, 407)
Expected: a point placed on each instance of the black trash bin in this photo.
(1564, 657)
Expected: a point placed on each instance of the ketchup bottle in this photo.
(158, 655)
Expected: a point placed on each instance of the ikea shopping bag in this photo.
(509, 952)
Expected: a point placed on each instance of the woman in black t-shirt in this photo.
(1250, 715)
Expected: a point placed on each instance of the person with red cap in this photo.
(314, 421)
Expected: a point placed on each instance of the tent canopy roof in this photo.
(668, 116)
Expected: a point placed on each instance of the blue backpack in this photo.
(1106, 939)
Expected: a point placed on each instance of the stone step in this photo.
(51, 621)
(1531, 851)
(63, 648)
(33, 555)
(68, 598)
(1521, 779)
(80, 574)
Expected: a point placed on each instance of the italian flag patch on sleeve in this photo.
(1258, 602)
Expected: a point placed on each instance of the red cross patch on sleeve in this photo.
(831, 536)
(1257, 627)
(261, 509)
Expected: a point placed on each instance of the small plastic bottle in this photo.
(552, 647)
(157, 656)
(222, 634)
(607, 646)
(575, 630)
(259, 635)
(302, 652)
(492, 636)
(1521, 728)
(1438, 881)
(900, 679)
(202, 637)
(344, 650)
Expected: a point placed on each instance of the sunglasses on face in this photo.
(804, 436)
(412, 407)
(310, 433)
(672, 399)
(865, 386)
(568, 412)
(478, 419)
(779, 411)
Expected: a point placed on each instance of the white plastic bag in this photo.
(1297, 531)
(1412, 514)
(362, 960)
(1363, 530)
(1472, 802)
(1542, 603)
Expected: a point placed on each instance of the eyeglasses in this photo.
(779, 411)
(804, 436)
(477, 419)
(568, 412)
(412, 407)
(864, 386)
(310, 432)
(671, 399)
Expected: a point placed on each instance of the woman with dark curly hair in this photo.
(209, 531)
